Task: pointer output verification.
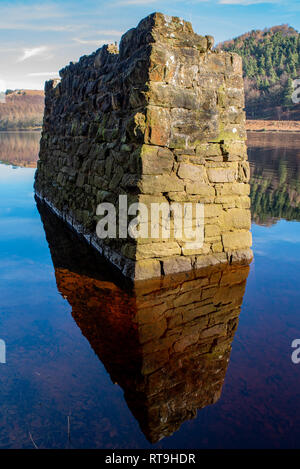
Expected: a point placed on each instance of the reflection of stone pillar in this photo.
(166, 342)
(160, 121)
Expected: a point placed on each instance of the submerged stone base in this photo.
(151, 268)
(160, 120)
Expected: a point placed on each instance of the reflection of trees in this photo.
(275, 184)
(19, 148)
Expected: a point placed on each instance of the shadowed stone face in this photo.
(166, 342)
(162, 117)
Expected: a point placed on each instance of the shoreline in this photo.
(11, 131)
(257, 126)
(253, 126)
(272, 126)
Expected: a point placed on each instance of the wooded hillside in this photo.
(271, 61)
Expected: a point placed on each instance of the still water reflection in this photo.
(167, 343)
(130, 368)
(20, 148)
(275, 178)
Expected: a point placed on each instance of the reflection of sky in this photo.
(21, 233)
(279, 241)
(24, 257)
(51, 369)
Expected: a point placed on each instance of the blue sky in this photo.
(39, 38)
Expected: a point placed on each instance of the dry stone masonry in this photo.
(159, 120)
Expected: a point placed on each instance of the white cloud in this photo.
(33, 52)
(43, 74)
(3, 86)
(34, 17)
(93, 42)
(36, 27)
(136, 2)
(33, 12)
(110, 32)
(245, 2)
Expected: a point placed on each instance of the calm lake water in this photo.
(73, 357)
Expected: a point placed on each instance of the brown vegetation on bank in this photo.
(22, 110)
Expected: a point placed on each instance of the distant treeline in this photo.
(22, 110)
(271, 61)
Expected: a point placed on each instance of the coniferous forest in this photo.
(271, 62)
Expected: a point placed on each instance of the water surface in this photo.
(72, 333)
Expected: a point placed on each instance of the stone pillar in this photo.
(160, 121)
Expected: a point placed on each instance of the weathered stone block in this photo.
(157, 184)
(222, 174)
(148, 268)
(236, 188)
(155, 161)
(157, 250)
(200, 189)
(176, 264)
(239, 240)
(236, 218)
(157, 126)
(192, 172)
